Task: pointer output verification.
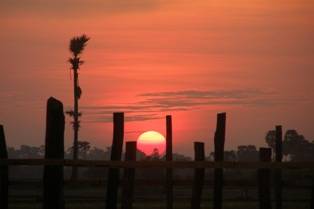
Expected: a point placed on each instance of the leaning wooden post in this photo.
(116, 152)
(4, 173)
(54, 149)
(278, 174)
(264, 180)
(199, 173)
(128, 178)
(169, 183)
(220, 135)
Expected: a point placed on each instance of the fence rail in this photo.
(157, 164)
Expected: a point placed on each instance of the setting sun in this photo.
(150, 140)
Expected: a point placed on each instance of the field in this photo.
(240, 191)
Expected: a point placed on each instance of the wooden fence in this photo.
(53, 178)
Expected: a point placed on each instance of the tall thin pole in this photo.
(77, 45)
(75, 124)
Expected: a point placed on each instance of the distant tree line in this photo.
(295, 148)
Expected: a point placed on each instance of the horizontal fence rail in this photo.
(157, 164)
(230, 184)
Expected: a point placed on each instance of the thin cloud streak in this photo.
(106, 118)
(152, 105)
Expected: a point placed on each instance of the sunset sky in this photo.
(253, 59)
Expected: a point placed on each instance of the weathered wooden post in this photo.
(169, 183)
(220, 135)
(4, 174)
(264, 180)
(54, 149)
(116, 152)
(312, 195)
(199, 155)
(278, 174)
(128, 178)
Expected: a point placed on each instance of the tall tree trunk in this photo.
(75, 125)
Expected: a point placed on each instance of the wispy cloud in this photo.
(151, 105)
(191, 98)
(107, 118)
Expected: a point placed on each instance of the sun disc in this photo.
(151, 140)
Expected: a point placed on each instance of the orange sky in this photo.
(149, 58)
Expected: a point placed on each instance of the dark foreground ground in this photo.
(240, 190)
(92, 196)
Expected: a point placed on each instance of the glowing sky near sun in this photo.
(149, 58)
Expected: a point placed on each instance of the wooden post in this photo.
(312, 195)
(129, 175)
(116, 151)
(169, 183)
(264, 180)
(199, 173)
(219, 157)
(278, 174)
(4, 173)
(54, 149)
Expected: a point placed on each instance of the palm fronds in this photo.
(77, 44)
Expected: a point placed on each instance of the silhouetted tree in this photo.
(180, 157)
(271, 139)
(99, 154)
(155, 154)
(228, 156)
(83, 149)
(247, 153)
(26, 151)
(77, 45)
(295, 146)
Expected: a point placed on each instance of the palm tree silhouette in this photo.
(77, 45)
